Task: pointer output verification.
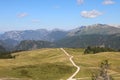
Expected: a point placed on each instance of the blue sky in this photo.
(50, 14)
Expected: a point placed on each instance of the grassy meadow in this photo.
(42, 64)
(53, 64)
(91, 62)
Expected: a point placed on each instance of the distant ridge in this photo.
(39, 34)
(102, 29)
(83, 36)
(57, 34)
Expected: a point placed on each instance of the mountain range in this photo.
(83, 36)
(40, 34)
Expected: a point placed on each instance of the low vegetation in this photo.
(94, 50)
(102, 73)
(4, 54)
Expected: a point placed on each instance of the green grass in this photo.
(45, 71)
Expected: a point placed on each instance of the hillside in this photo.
(9, 44)
(91, 62)
(53, 64)
(83, 41)
(43, 64)
(32, 44)
(2, 49)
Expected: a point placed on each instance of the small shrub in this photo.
(24, 72)
(102, 74)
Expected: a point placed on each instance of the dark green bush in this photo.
(94, 50)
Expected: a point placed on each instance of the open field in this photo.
(43, 64)
(91, 62)
(53, 64)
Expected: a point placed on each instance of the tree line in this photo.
(94, 50)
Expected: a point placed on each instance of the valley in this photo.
(59, 40)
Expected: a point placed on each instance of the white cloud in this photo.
(108, 2)
(21, 15)
(80, 1)
(91, 14)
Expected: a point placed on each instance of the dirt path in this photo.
(78, 68)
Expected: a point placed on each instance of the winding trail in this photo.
(78, 68)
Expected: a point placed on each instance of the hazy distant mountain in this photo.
(57, 34)
(40, 34)
(24, 35)
(32, 44)
(94, 35)
(115, 25)
(111, 41)
(9, 44)
(102, 29)
(53, 35)
(2, 49)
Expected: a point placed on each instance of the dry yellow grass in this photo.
(57, 64)
(90, 62)
(47, 64)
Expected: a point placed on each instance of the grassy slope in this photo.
(53, 64)
(89, 63)
(43, 64)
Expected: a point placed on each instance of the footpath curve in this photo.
(78, 68)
